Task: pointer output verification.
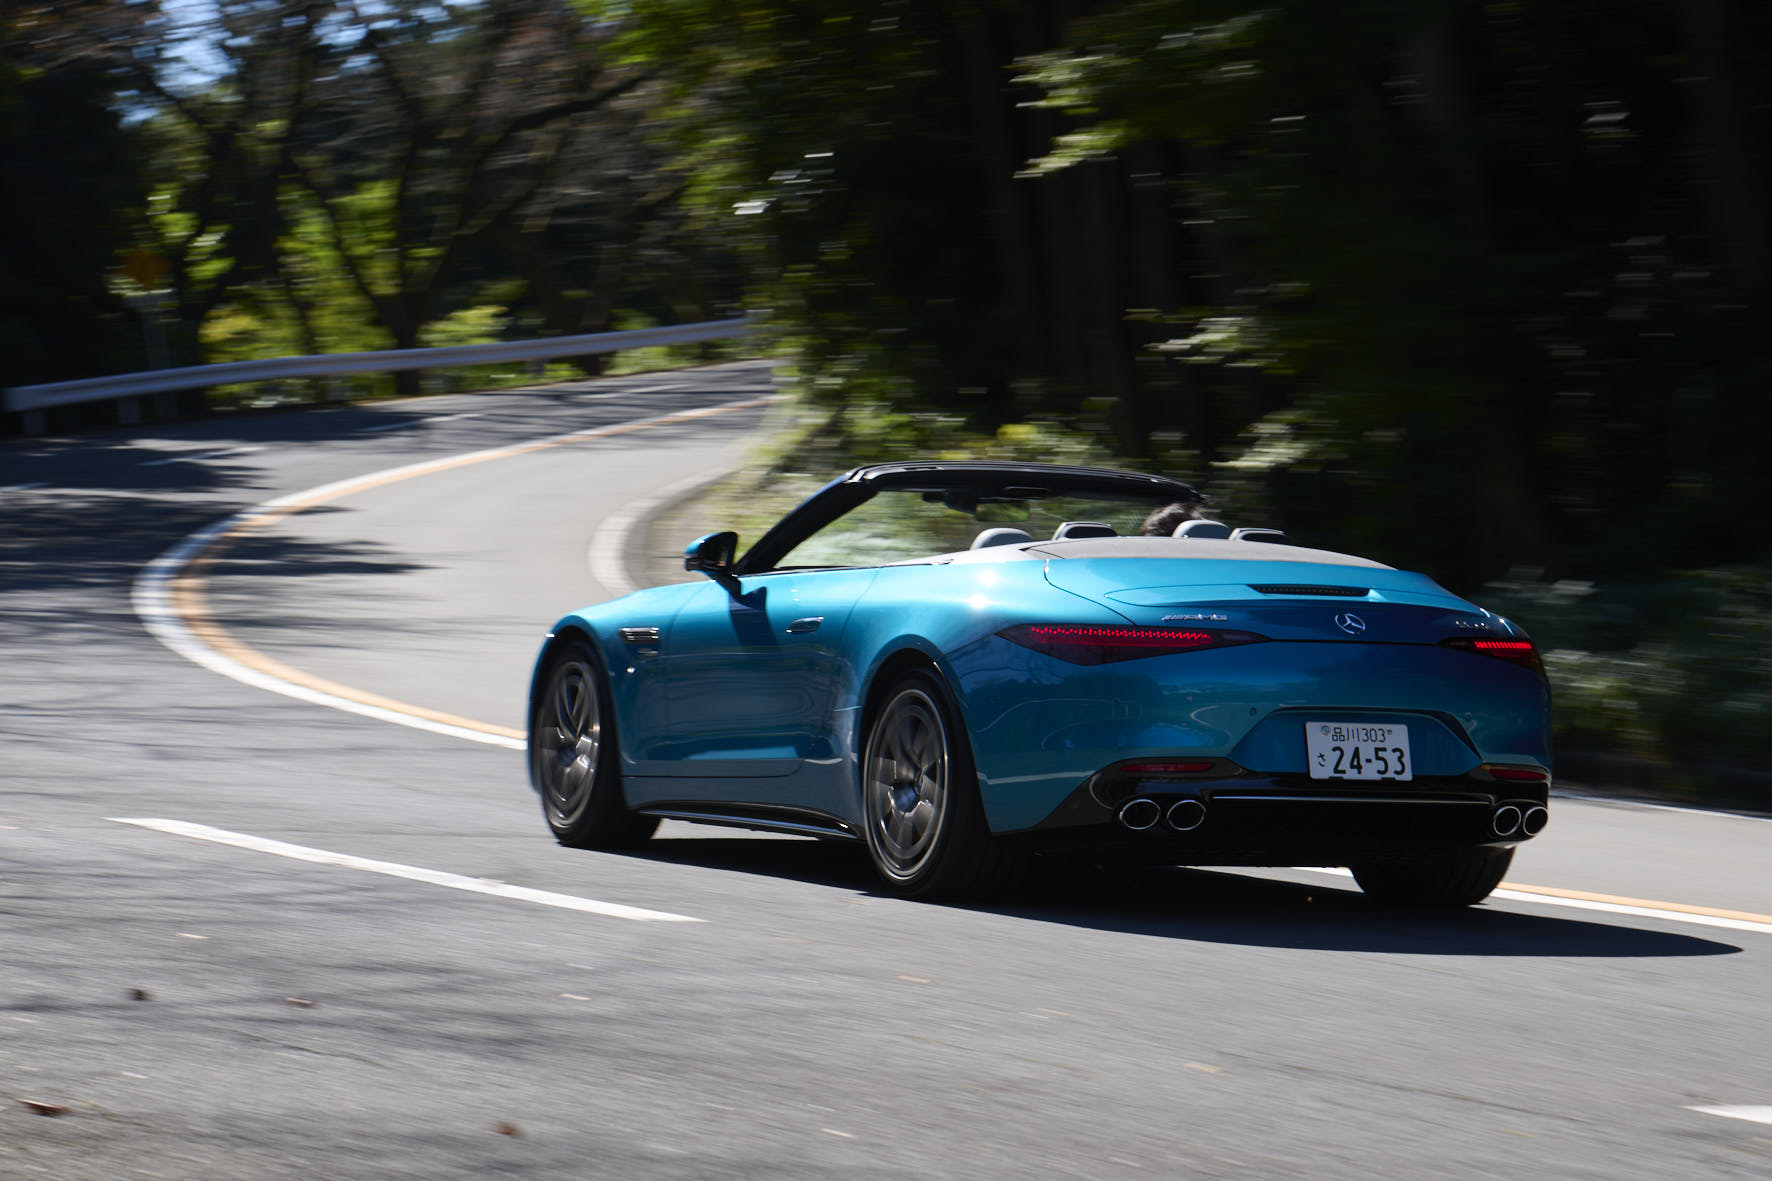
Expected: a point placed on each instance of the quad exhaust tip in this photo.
(1533, 820)
(1140, 814)
(1506, 821)
(1186, 815)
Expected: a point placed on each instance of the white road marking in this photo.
(1648, 912)
(412, 873)
(152, 592)
(610, 541)
(152, 599)
(1758, 1115)
(425, 420)
(199, 456)
(152, 596)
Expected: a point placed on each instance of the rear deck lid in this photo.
(1279, 597)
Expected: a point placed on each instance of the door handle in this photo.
(801, 626)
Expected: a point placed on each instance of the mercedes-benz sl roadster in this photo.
(962, 665)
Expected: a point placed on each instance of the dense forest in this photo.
(1477, 287)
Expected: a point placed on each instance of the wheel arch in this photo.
(907, 656)
(975, 863)
(563, 634)
(885, 673)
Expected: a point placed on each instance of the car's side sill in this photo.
(797, 821)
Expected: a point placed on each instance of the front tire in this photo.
(1461, 878)
(922, 817)
(573, 759)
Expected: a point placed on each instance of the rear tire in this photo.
(922, 817)
(1461, 878)
(573, 759)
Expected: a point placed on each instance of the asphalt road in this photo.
(426, 986)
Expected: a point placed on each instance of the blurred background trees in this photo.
(71, 189)
(1475, 287)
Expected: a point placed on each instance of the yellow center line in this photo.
(190, 601)
(189, 590)
(1643, 903)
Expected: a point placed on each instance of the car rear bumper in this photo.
(1040, 727)
(1292, 820)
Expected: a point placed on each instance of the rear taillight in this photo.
(1104, 644)
(1520, 652)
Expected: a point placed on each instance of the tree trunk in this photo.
(405, 326)
(1732, 149)
(998, 164)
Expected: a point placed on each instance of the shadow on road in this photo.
(1212, 906)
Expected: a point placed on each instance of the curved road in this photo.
(249, 935)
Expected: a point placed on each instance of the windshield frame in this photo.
(982, 480)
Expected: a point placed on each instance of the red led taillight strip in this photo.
(1104, 644)
(1520, 652)
(1122, 637)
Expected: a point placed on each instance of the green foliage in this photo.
(1468, 287)
(1676, 671)
(1450, 258)
(70, 177)
(832, 143)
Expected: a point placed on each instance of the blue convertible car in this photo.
(961, 665)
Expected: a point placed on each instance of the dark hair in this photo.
(1163, 521)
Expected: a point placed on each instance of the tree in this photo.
(70, 181)
(435, 131)
(1475, 254)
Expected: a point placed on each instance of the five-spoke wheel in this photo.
(907, 794)
(923, 820)
(573, 759)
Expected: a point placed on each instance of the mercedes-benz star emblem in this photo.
(1350, 623)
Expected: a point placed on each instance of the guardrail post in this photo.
(129, 411)
(33, 423)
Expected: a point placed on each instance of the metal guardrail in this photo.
(29, 399)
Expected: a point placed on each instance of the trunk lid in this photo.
(1280, 599)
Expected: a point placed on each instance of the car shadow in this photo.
(1216, 906)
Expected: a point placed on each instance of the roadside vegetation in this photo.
(1477, 289)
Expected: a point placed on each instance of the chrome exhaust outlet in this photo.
(1507, 821)
(1533, 820)
(1186, 815)
(1140, 814)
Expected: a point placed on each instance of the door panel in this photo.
(750, 679)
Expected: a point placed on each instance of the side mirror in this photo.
(712, 555)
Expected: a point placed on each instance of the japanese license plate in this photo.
(1357, 750)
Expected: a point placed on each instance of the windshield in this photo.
(907, 525)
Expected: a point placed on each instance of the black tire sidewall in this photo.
(962, 836)
(605, 821)
(1451, 880)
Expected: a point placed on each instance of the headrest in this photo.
(1071, 530)
(1216, 530)
(1000, 536)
